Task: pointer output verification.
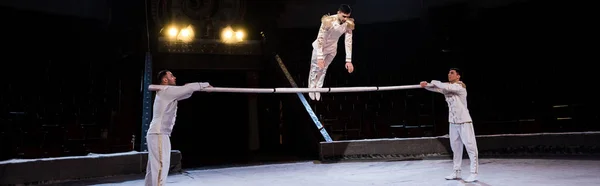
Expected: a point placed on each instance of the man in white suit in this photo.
(163, 120)
(325, 47)
(461, 124)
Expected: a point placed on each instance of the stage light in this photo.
(239, 35)
(177, 33)
(228, 35)
(186, 34)
(173, 32)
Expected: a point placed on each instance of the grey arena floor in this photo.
(512, 172)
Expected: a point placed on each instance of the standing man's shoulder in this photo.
(462, 84)
(462, 87)
(457, 85)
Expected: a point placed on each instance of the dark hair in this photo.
(458, 71)
(161, 75)
(344, 8)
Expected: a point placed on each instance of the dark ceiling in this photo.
(294, 13)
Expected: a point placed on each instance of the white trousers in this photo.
(159, 159)
(317, 75)
(463, 134)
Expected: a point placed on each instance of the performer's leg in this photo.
(312, 76)
(148, 178)
(166, 158)
(457, 150)
(467, 135)
(322, 74)
(153, 162)
(159, 152)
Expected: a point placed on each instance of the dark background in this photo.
(72, 75)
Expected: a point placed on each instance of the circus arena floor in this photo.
(546, 172)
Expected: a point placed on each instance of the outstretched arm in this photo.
(430, 87)
(179, 92)
(455, 88)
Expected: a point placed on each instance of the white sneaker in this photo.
(318, 96)
(471, 178)
(311, 95)
(454, 176)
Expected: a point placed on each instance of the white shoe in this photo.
(318, 96)
(471, 178)
(454, 176)
(311, 95)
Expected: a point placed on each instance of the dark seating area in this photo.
(67, 93)
(46, 120)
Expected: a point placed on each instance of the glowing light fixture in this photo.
(184, 34)
(228, 35)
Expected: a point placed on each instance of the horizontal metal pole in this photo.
(302, 90)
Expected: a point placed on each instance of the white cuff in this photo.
(204, 85)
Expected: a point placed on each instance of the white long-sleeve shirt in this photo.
(165, 106)
(330, 31)
(456, 97)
